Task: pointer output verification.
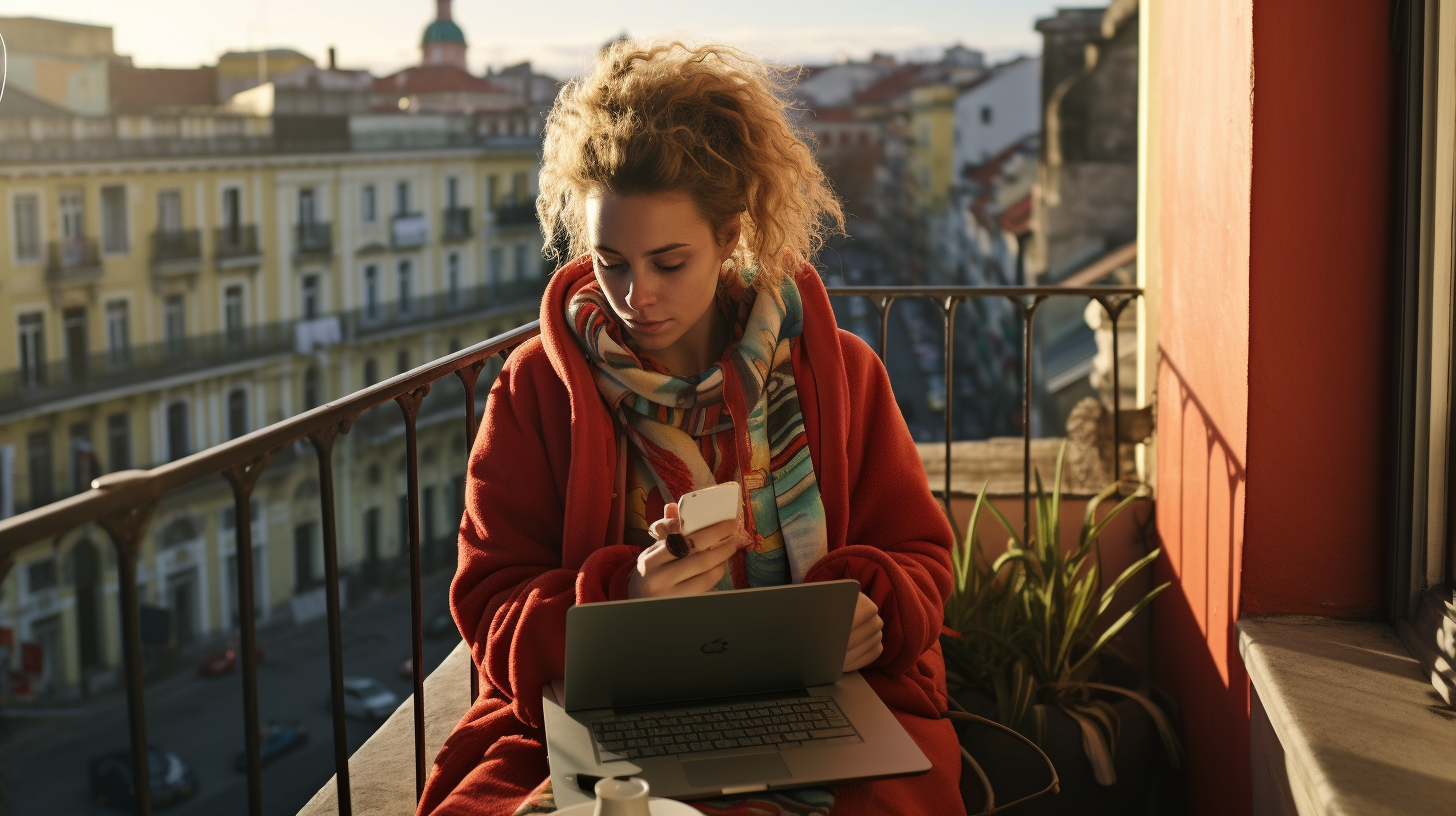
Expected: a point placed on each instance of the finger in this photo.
(661, 528)
(714, 534)
(653, 558)
(669, 511)
(704, 581)
(697, 563)
(863, 654)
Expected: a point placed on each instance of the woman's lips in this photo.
(646, 326)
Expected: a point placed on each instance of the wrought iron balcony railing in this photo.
(313, 238)
(470, 301)
(236, 241)
(516, 215)
(72, 261)
(122, 504)
(135, 365)
(457, 224)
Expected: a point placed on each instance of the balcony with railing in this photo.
(408, 231)
(133, 367)
(122, 503)
(236, 245)
(73, 262)
(515, 216)
(470, 302)
(313, 239)
(176, 253)
(457, 226)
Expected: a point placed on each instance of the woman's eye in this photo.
(672, 268)
(606, 267)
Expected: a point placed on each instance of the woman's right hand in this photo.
(660, 574)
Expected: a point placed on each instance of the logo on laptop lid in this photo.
(718, 646)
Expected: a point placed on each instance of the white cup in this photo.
(621, 797)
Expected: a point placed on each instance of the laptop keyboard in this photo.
(672, 732)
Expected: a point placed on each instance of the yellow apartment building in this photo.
(169, 283)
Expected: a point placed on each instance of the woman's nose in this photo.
(641, 292)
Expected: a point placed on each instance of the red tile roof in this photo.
(896, 84)
(985, 174)
(1016, 219)
(425, 79)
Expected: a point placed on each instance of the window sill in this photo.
(1343, 721)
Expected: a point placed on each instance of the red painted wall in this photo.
(1321, 264)
(1277, 133)
(1206, 137)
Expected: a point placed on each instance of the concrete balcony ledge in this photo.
(382, 771)
(1343, 721)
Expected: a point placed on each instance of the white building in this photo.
(996, 111)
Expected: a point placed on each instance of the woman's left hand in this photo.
(864, 635)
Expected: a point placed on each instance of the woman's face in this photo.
(658, 262)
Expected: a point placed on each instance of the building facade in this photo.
(175, 283)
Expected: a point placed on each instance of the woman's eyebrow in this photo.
(658, 251)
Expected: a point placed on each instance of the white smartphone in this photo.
(706, 507)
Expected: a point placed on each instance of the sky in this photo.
(558, 37)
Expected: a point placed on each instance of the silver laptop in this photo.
(720, 693)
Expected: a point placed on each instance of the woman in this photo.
(687, 344)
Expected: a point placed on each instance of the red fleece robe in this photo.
(542, 530)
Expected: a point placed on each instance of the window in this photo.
(118, 333)
(312, 388)
(368, 205)
(495, 266)
(27, 227)
(452, 278)
(305, 576)
(83, 458)
(371, 292)
(405, 278)
(174, 325)
(401, 361)
(310, 302)
(985, 114)
(306, 215)
(371, 371)
(520, 262)
(113, 219)
(118, 441)
(32, 349)
(237, 413)
(401, 198)
(177, 437)
(232, 213)
(520, 187)
(169, 211)
(452, 192)
(73, 324)
(492, 191)
(232, 316)
(38, 453)
(925, 134)
(41, 575)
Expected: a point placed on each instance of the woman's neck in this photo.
(699, 348)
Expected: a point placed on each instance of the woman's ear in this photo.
(728, 239)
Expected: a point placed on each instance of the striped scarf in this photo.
(751, 389)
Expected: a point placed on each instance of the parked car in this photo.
(276, 738)
(225, 660)
(368, 699)
(111, 782)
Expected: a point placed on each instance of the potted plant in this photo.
(1029, 646)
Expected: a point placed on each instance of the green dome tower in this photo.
(444, 42)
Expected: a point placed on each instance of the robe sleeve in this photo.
(898, 539)
(511, 591)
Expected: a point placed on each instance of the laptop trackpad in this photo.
(736, 770)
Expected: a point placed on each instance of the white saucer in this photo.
(655, 806)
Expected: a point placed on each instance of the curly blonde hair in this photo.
(707, 121)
